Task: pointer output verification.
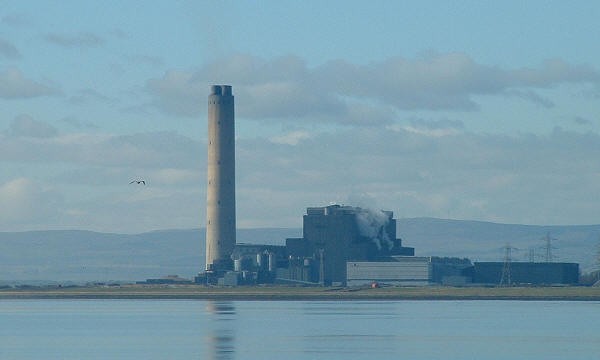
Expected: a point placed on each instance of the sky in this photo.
(465, 110)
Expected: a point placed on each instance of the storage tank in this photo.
(272, 262)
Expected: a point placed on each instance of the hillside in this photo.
(485, 241)
(82, 256)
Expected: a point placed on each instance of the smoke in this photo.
(372, 224)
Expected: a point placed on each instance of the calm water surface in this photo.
(156, 329)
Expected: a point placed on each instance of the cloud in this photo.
(178, 93)
(514, 179)
(582, 121)
(16, 19)
(280, 89)
(553, 72)
(82, 180)
(339, 92)
(78, 123)
(25, 201)
(291, 138)
(430, 168)
(154, 61)
(432, 128)
(531, 96)
(13, 85)
(445, 81)
(81, 40)
(170, 176)
(119, 33)
(26, 126)
(144, 150)
(8, 50)
(86, 95)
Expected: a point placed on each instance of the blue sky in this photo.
(468, 110)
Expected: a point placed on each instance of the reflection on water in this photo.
(221, 338)
(298, 330)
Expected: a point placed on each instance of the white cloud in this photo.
(531, 96)
(87, 95)
(517, 179)
(26, 126)
(13, 85)
(26, 202)
(340, 92)
(78, 123)
(291, 138)
(170, 176)
(432, 168)
(445, 81)
(178, 93)
(553, 72)
(435, 128)
(138, 151)
(430, 132)
(92, 172)
(154, 61)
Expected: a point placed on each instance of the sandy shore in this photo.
(306, 293)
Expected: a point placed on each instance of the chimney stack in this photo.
(220, 199)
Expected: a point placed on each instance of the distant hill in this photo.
(82, 256)
(485, 241)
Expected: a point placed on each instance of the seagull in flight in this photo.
(138, 182)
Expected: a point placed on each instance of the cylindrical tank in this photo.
(260, 260)
(237, 265)
(272, 264)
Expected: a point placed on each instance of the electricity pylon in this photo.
(598, 260)
(548, 247)
(505, 279)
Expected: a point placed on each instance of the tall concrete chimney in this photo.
(220, 194)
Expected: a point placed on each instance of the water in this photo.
(157, 329)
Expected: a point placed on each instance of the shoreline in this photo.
(281, 293)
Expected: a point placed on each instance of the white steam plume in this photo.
(372, 224)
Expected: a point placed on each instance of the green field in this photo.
(575, 293)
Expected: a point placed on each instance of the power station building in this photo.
(339, 245)
(403, 271)
(335, 234)
(525, 273)
(332, 236)
(410, 271)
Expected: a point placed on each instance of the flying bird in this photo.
(138, 182)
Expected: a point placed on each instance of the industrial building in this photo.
(352, 246)
(525, 273)
(410, 271)
(341, 245)
(169, 279)
(335, 234)
(415, 271)
(332, 236)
